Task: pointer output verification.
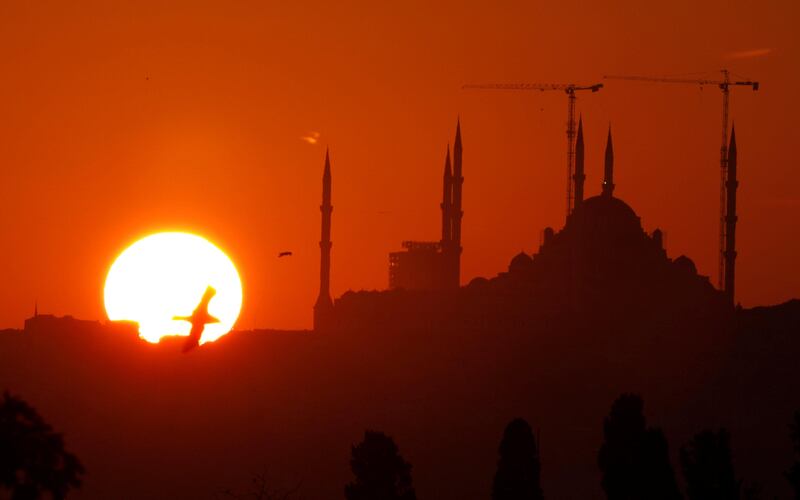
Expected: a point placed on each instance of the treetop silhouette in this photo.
(33, 460)
(708, 467)
(634, 459)
(519, 467)
(381, 472)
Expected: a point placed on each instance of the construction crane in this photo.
(724, 85)
(569, 89)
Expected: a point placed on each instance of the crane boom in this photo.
(724, 81)
(569, 89)
(724, 85)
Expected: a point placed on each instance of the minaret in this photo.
(457, 212)
(579, 176)
(324, 304)
(447, 202)
(730, 220)
(608, 177)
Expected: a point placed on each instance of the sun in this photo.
(163, 277)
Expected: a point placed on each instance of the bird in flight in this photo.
(199, 319)
(284, 254)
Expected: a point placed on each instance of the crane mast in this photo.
(569, 89)
(724, 85)
(723, 174)
(570, 149)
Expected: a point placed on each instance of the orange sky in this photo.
(124, 118)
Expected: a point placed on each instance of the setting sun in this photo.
(164, 277)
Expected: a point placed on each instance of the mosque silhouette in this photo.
(601, 262)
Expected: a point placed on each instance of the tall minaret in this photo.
(579, 176)
(457, 213)
(608, 177)
(447, 202)
(730, 220)
(324, 304)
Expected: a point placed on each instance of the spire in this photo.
(447, 201)
(608, 178)
(457, 173)
(457, 213)
(457, 144)
(327, 172)
(326, 193)
(730, 220)
(579, 176)
(324, 304)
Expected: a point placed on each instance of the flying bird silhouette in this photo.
(199, 319)
(284, 254)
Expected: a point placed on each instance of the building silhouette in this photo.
(608, 168)
(602, 262)
(51, 324)
(324, 305)
(731, 184)
(432, 265)
(422, 266)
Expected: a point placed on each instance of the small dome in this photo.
(520, 262)
(479, 283)
(685, 264)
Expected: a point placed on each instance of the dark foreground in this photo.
(150, 422)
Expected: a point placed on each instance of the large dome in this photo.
(610, 205)
(607, 213)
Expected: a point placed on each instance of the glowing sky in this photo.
(120, 119)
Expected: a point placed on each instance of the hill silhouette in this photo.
(154, 423)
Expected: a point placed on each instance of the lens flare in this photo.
(163, 277)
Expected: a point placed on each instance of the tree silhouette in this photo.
(381, 472)
(518, 468)
(634, 459)
(752, 491)
(793, 474)
(32, 457)
(708, 467)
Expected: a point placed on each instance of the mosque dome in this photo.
(686, 264)
(610, 206)
(520, 262)
(609, 215)
(478, 284)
